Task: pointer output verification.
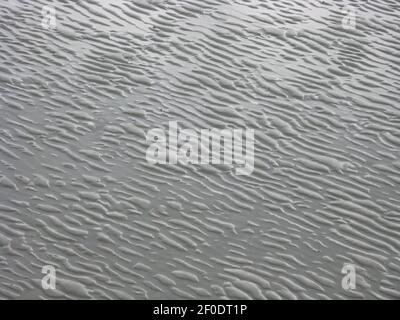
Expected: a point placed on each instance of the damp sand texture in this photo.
(83, 82)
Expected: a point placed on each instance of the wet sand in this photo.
(79, 93)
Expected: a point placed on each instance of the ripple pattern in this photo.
(77, 193)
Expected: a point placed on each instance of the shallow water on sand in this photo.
(77, 193)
